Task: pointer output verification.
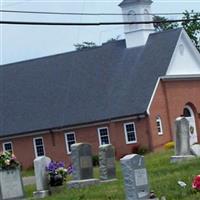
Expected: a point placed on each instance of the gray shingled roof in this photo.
(85, 86)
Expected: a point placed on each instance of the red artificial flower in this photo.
(196, 182)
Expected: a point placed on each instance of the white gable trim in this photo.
(152, 96)
(190, 51)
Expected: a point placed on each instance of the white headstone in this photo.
(41, 175)
(11, 184)
(135, 177)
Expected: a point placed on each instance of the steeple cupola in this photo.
(136, 10)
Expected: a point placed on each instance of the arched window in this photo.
(159, 125)
(132, 17)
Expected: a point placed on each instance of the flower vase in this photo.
(56, 180)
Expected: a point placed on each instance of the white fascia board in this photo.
(152, 96)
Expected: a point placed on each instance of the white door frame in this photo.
(192, 125)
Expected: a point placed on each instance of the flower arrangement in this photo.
(57, 172)
(8, 160)
(196, 182)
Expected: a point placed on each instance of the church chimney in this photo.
(136, 34)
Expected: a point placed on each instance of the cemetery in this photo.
(158, 175)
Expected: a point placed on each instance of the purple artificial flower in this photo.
(52, 166)
(70, 169)
(60, 164)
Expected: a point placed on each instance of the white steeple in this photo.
(136, 34)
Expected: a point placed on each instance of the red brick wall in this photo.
(55, 146)
(169, 101)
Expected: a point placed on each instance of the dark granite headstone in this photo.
(107, 162)
(81, 156)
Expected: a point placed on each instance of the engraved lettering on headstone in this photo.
(140, 177)
(11, 179)
(85, 162)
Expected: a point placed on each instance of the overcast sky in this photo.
(26, 42)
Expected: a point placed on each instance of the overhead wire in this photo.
(77, 13)
(93, 23)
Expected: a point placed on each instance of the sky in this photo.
(18, 43)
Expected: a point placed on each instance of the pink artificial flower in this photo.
(196, 182)
(13, 157)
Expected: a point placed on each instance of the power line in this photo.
(94, 23)
(72, 13)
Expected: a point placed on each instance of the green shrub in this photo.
(140, 149)
(95, 160)
(169, 145)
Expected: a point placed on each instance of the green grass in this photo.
(29, 172)
(163, 177)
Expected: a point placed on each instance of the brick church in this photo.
(127, 93)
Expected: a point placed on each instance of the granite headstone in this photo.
(81, 156)
(11, 186)
(182, 137)
(195, 149)
(107, 162)
(182, 140)
(135, 177)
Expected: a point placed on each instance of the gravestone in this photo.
(107, 162)
(11, 186)
(182, 140)
(195, 149)
(41, 177)
(135, 177)
(81, 157)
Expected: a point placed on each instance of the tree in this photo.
(85, 45)
(163, 26)
(88, 45)
(192, 27)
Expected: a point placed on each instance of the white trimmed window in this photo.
(130, 133)
(159, 125)
(7, 146)
(70, 139)
(103, 136)
(39, 146)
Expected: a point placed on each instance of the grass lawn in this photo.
(163, 178)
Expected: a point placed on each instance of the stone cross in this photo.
(41, 176)
(182, 137)
(81, 156)
(135, 177)
(107, 162)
